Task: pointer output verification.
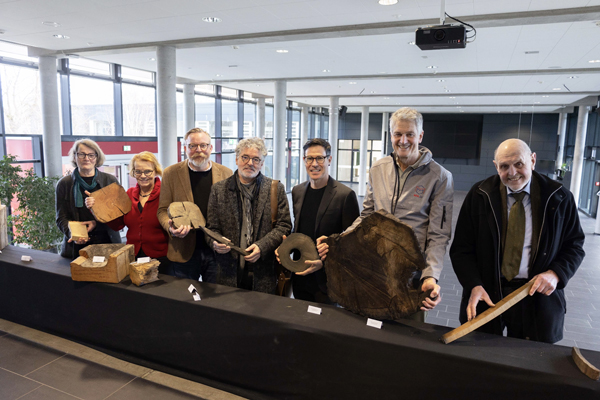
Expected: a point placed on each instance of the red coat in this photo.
(143, 228)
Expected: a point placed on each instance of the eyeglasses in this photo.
(83, 156)
(203, 146)
(255, 160)
(137, 173)
(309, 160)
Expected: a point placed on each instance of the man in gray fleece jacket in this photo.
(417, 190)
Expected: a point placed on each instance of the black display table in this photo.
(266, 347)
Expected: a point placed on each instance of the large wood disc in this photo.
(186, 213)
(111, 203)
(297, 243)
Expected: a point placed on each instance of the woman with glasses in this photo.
(143, 229)
(71, 191)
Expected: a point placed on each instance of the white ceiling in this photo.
(357, 41)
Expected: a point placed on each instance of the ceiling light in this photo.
(51, 23)
(282, 51)
(556, 88)
(546, 96)
(441, 80)
(536, 102)
(532, 52)
(388, 2)
(594, 61)
(218, 75)
(386, 98)
(2, 31)
(152, 59)
(257, 84)
(447, 90)
(432, 66)
(458, 107)
(372, 91)
(211, 19)
(59, 36)
(235, 47)
(382, 72)
(352, 83)
(451, 97)
(411, 43)
(573, 77)
(326, 70)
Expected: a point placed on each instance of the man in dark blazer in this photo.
(190, 180)
(322, 207)
(551, 241)
(239, 208)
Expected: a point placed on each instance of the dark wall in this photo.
(349, 126)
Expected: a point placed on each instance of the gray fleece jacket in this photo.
(421, 197)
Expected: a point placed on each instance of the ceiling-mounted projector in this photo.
(441, 37)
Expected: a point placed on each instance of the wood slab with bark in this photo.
(113, 269)
(144, 273)
(186, 213)
(111, 203)
(370, 270)
(488, 314)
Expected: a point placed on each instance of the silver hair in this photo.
(100, 158)
(407, 114)
(251, 143)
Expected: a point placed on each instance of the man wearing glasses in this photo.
(190, 180)
(322, 207)
(239, 208)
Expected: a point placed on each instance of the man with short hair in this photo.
(513, 227)
(410, 185)
(190, 180)
(322, 207)
(239, 208)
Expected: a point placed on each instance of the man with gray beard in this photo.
(190, 180)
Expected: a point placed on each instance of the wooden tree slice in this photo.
(584, 365)
(370, 270)
(488, 314)
(78, 230)
(111, 203)
(186, 213)
(297, 242)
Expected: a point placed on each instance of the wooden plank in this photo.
(111, 203)
(214, 235)
(488, 314)
(584, 365)
(3, 227)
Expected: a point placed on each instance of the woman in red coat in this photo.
(143, 229)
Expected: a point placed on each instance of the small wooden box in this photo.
(113, 269)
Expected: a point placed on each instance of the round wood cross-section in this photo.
(302, 244)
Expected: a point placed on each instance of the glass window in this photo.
(228, 144)
(208, 89)
(205, 114)
(229, 120)
(345, 144)
(231, 93)
(21, 148)
(249, 120)
(344, 165)
(21, 97)
(137, 75)
(228, 160)
(269, 123)
(89, 66)
(16, 52)
(139, 111)
(92, 107)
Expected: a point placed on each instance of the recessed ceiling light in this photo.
(59, 36)
(573, 77)
(235, 47)
(556, 88)
(388, 2)
(2, 31)
(451, 97)
(282, 51)
(51, 23)
(441, 80)
(152, 59)
(458, 107)
(594, 61)
(447, 90)
(432, 66)
(382, 72)
(352, 83)
(411, 43)
(211, 19)
(218, 75)
(555, 67)
(536, 102)
(372, 91)
(257, 84)
(462, 110)
(233, 66)
(386, 98)
(326, 70)
(532, 52)
(546, 96)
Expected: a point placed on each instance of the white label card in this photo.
(374, 323)
(196, 296)
(143, 260)
(98, 259)
(25, 258)
(191, 289)
(314, 310)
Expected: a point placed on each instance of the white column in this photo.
(562, 133)
(582, 120)
(364, 137)
(334, 116)
(166, 106)
(303, 139)
(385, 126)
(189, 107)
(279, 132)
(50, 116)
(260, 118)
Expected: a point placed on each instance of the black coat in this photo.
(476, 255)
(225, 217)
